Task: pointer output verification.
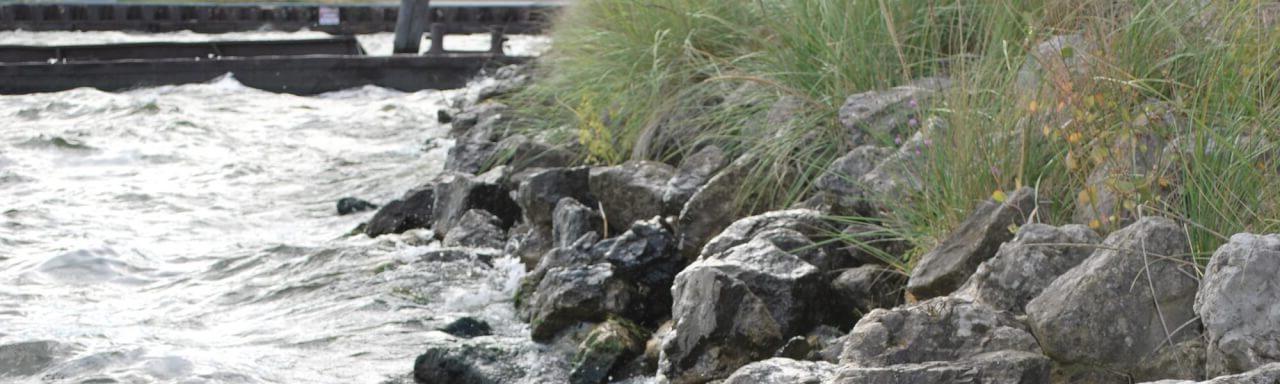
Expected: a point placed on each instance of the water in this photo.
(188, 234)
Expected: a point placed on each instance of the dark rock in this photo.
(882, 114)
(1024, 266)
(349, 205)
(443, 116)
(1238, 301)
(483, 256)
(796, 348)
(859, 290)
(809, 225)
(521, 152)
(459, 194)
(898, 175)
(941, 329)
(827, 342)
(571, 220)
(567, 295)
(465, 363)
(468, 327)
(630, 192)
(841, 184)
(1002, 367)
(1132, 161)
(565, 257)
(1182, 361)
(542, 190)
(646, 256)
(528, 243)
(1100, 313)
(413, 211)
(608, 346)
(476, 229)
(692, 174)
(977, 239)
(783, 371)
(465, 123)
(470, 157)
(712, 208)
(872, 243)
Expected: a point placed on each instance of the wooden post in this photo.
(437, 38)
(410, 25)
(497, 36)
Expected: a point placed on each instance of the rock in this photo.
(783, 371)
(734, 308)
(528, 243)
(872, 243)
(898, 175)
(609, 345)
(483, 256)
(349, 205)
(882, 114)
(630, 192)
(476, 229)
(467, 327)
(567, 295)
(646, 256)
(859, 290)
(941, 329)
(977, 239)
(475, 123)
(1024, 266)
(506, 80)
(443, 116)
(1101, 312)
(413, 211)
(1002, 367)
(1183, 361)
(797, 348)
(470, 157)
(1267, 374)
(840, 185)
(459, 194)
(1060, 58)
(712, 208)
(566, 257)
(466, 363)
(29, 357)
(809, 225)
(1238, 303)
(692, 174)
(520, 153)
(542, 190)
(827, 342)
(1131, 163)
(571, 220)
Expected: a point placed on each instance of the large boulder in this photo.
(840, 187)
(1239, 304)
(460, 193)
(734, 308)
(646, 256)
(1024, 266)
(712, 208)
(946, 267)
(542, 190)
(568, 295)
(882, 114)
(1129, 299)
(411, 212)
(571, 220)
(693, 172)
(807, 225)
(1002, 367)
(466, 362)
(630, 192)
(606, 348)
(942, 329)
(476, 229)
(783, 371)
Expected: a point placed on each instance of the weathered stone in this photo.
(607, 347)
(567, 295)
(528, 243)
(872, 243)
(572, 256)
(712, 208)
(859, 290)
(646, 256)
(571, 220)
(1239, 304)
(1183, 361)
(1137, 160)
(1002, 367)
(466, 125)
(1024, 266)
(542, 190)
(466, 363)
(467, 327)
(977, 239)
(460, 193)
(630, 192)
(794, 231)
(413, 211)
(29, 357)
(840, 185)
(827, 342)
(476, 229)
(520, 153)
(783, 371)
(1267, 374)
(1118, 307)
(349, 205)
(734, 308)
(894, 178)
(692, 174)
(469, 156)
(941, 329)
(1060, 59)
(882, 114)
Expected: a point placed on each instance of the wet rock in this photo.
(413, 211)
(571, 220)
(941, 329)
(1004, 367)
(443, 116)
(459, 194)
(712, 208)
(840, 185)
(1024, 266)
(607, 347)
(1238, 301)
(476, 229)
(630, 192)
(466, 363)
(692, 174)
(520, 153)
(28, 357)
(646, 256)
(882, 114)
(542, 190)
(567, 295)
(468, 327)
(859, 290)
(977, 239)
(564, 257)
(783, 371)
(470, 156)
(734, 308)
(808, 226)
(483, 256)
(349, 205)
(528, 243)
(1101, 312)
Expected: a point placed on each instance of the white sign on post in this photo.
(328, 16)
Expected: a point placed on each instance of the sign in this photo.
(329, 16)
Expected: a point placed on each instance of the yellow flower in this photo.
(1074, 137)
(1033, 106)
(1095, 224)
(999, 196)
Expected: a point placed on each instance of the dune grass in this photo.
(656, 79)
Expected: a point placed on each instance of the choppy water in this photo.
(188, 234)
